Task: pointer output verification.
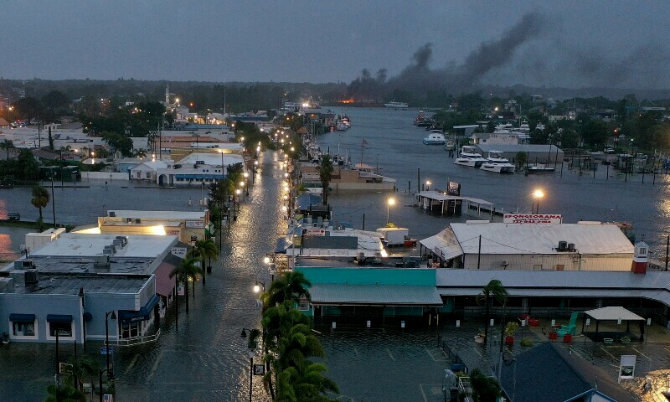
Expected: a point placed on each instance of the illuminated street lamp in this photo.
(428, 183)
(538, 194)
(389, 203)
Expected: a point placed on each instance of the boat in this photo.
(539, 168)
(396, 105)
(497, 163)
(434, 138)
(469, 156)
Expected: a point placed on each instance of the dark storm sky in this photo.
(573, 43)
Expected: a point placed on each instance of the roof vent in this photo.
(112, 214)
(571, 247)
(562, 245)
(23, 264)
(31, 277)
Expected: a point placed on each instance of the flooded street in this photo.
(205, 359)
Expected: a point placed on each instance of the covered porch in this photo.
(609, 325)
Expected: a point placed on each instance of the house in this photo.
(148, 170)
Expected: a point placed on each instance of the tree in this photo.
(184, 271)
(120, 142)
(290, 286)
(205, 249)
(40, 200)
(484, 389)
(494, 290)
(7, 145)
(521, 159)
(64, 393)
(325, 175)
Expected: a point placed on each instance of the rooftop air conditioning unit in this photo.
(562, 245)
(112, 214)
(124, 240)
(23, 264)
(571, 247)
(31, 277)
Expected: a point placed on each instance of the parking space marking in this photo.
(390, 354)
(611, 355)
(640, 353)
(132, 363)
(432, 356)
(155, 366)
(425, 399)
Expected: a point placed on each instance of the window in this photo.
(643, 251)
(64, 329)
(23, 328)
(303, 305)
(130, 329)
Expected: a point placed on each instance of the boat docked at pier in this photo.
(470, 156)
(434, 138)
(396, 105)
(497, 163)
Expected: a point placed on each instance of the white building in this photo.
(588, 246)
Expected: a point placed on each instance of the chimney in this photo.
(640, 258)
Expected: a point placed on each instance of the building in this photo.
(534, 153)
(86, 287)
(147, 170)
(585, 246)
(198, 168)
(188, 226)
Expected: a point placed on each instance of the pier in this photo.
(452, 205)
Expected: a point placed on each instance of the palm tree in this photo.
(325, 175)
(206, 249)
(84, 367)
(291, 286)
(40, 200)
(7, 145)
(64, 392)
(184, 271)
(494, 290)
(309, 382)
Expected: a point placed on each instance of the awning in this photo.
(282, 245)
(444, 245)
(613, 313)
(25, 318)
(380, 295)
(59, 318)
(143, 314)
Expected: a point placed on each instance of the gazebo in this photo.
(617, 314)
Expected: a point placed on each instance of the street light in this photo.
(108, 315)
(389, 203)
(428, 183)
(246, 182)
(538, 194)
(259, 286)
(252, 343)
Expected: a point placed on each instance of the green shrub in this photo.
(526, 342)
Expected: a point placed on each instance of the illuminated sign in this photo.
(533, 218)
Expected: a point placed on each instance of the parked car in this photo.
(13, 217)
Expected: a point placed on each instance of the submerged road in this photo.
(205, 359)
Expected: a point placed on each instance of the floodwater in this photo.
(205, 359)
(395, 145)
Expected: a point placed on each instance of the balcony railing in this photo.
(139, 340)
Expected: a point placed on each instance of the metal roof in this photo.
(503, 238)
(375, 294)
(166, 215)
(65, 284)
(613, 313)
(90, 245)
(443, 244)
(549, 149)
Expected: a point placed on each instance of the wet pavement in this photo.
(205, 359)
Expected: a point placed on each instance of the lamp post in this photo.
(254, 333)
(428, 183)
(108, 315)
(246, 182)
(253, 178)
(389, 203)
(538, 194)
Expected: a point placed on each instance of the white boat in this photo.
(469, 156)
(539, 168)
(396, 105)
(434, 139)
(497, 163)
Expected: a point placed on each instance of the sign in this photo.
(533, 218)
(259, 369)
(103, 351)
(180, 290)
(64, 368)
(453, 188)
(314, 232)
(200, 224)
(179, 252)
(627, 367)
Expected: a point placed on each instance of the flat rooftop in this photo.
(84, 265)
(63, 284)
(165, 215)
(91, 245)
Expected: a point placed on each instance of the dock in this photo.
(452, 205)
